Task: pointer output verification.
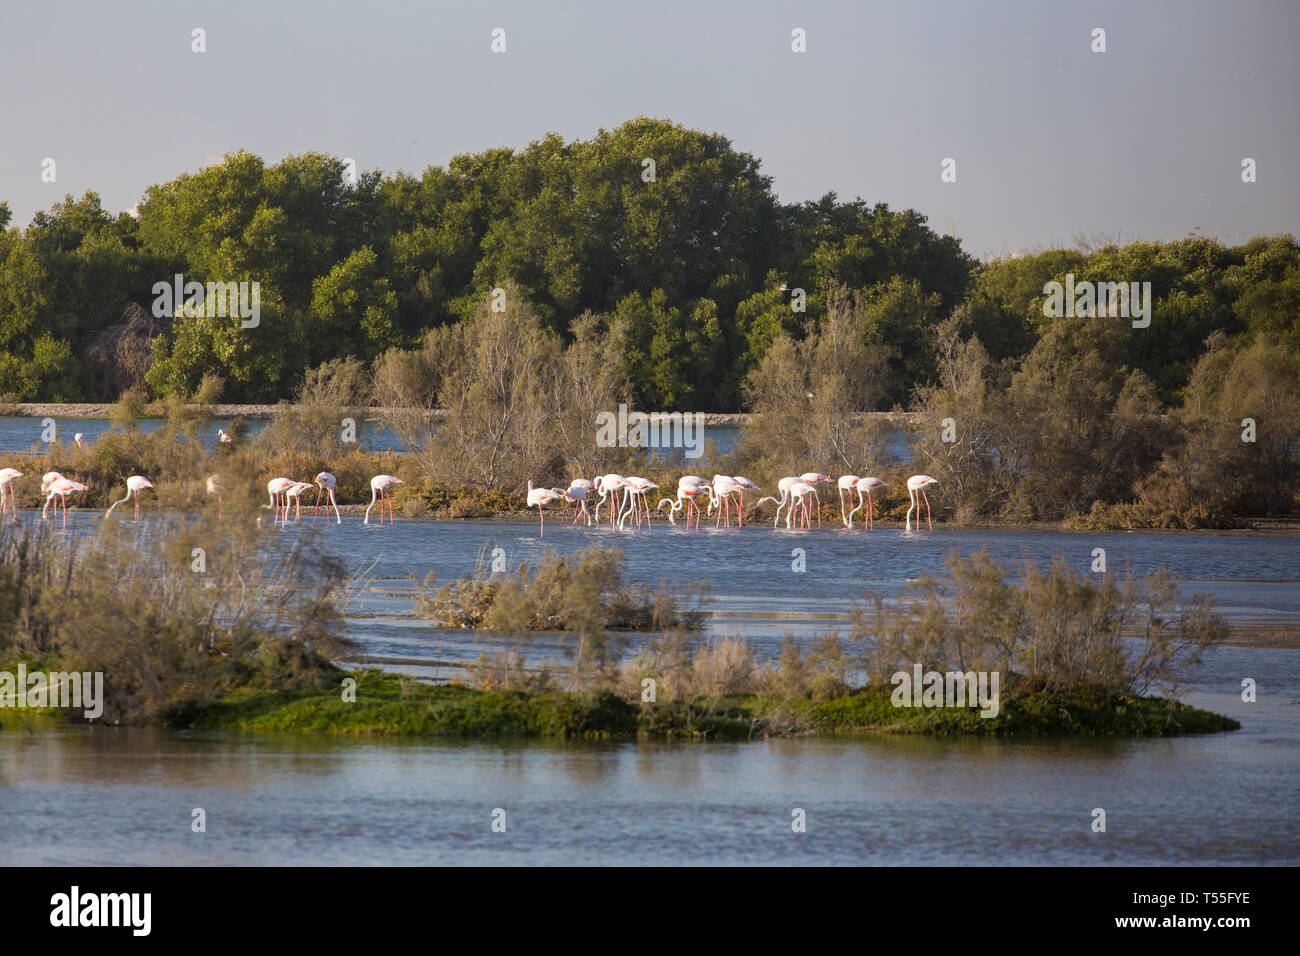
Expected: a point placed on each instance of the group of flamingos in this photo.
(629, 499)
(279, 492)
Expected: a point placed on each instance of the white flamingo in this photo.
(7, 477)
(134, 486)
(379, 486)
(916, 485)
(275, 489)
(866, 486)
(62, 487)
(539, 498)
(325, 483)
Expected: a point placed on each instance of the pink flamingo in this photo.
(784, 487)
(78, 439)
(724, 486)
(917, 485)
(48, 479)
(296, 494)
(539, 498)
(223, 437)
(7, 477)
(379, 486)
(689, 487)
(847, 483)
(609, 485)
(134, 486)
(745, 485)
(325, 483)
(637, 489)
(815, 478)
(275, 489)
(62, 487)
(795, 492)
(214, 488)
(867, 485)
(576, 494)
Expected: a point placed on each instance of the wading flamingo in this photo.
(539, 498)
(78, 439)
(47, 479)
(745, 485)
(794, 493)
(865, 487)
(637, 489)
(7, 477)
(214, 488)
(610, 485)
(724, 486)
(296, 494)
(816, 478)
(223, 437)
(916, 485)
(325, 483)
(134, 485)
(275, 489)
(62, 487)
(783, 501)
(576, 494)
(689, 487)
(847, 483)
(379, 486)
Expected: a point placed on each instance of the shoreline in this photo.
(104, 410)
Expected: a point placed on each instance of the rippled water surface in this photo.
(106, 795)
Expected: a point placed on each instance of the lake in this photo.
(118, 796)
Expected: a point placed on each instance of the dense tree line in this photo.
(686, 269)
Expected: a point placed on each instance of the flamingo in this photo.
(745, 485)
(847, 483)
(689, 487)
(296, 494)
(214, 488)
(724, 486)
(325, 483)
(275, 488)
(62, 487)
(637, 489)
(7, 477)
(134, 485)
(815, 478)
(796, 492)
(379, 486)
(223, 437)
(576, 494)
(539, 498)
(48, 479)
(784, 487)
(867, 485)
(917, 485)
(609, 485)
(78, 439)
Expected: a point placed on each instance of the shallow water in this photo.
(106, 795)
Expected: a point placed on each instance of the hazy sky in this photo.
(1050, 139)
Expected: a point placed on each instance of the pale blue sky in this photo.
(1051, 140)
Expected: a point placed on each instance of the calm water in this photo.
(21, 434)
(104, 795)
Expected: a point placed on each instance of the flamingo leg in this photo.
(317, 508)
(927, 511)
